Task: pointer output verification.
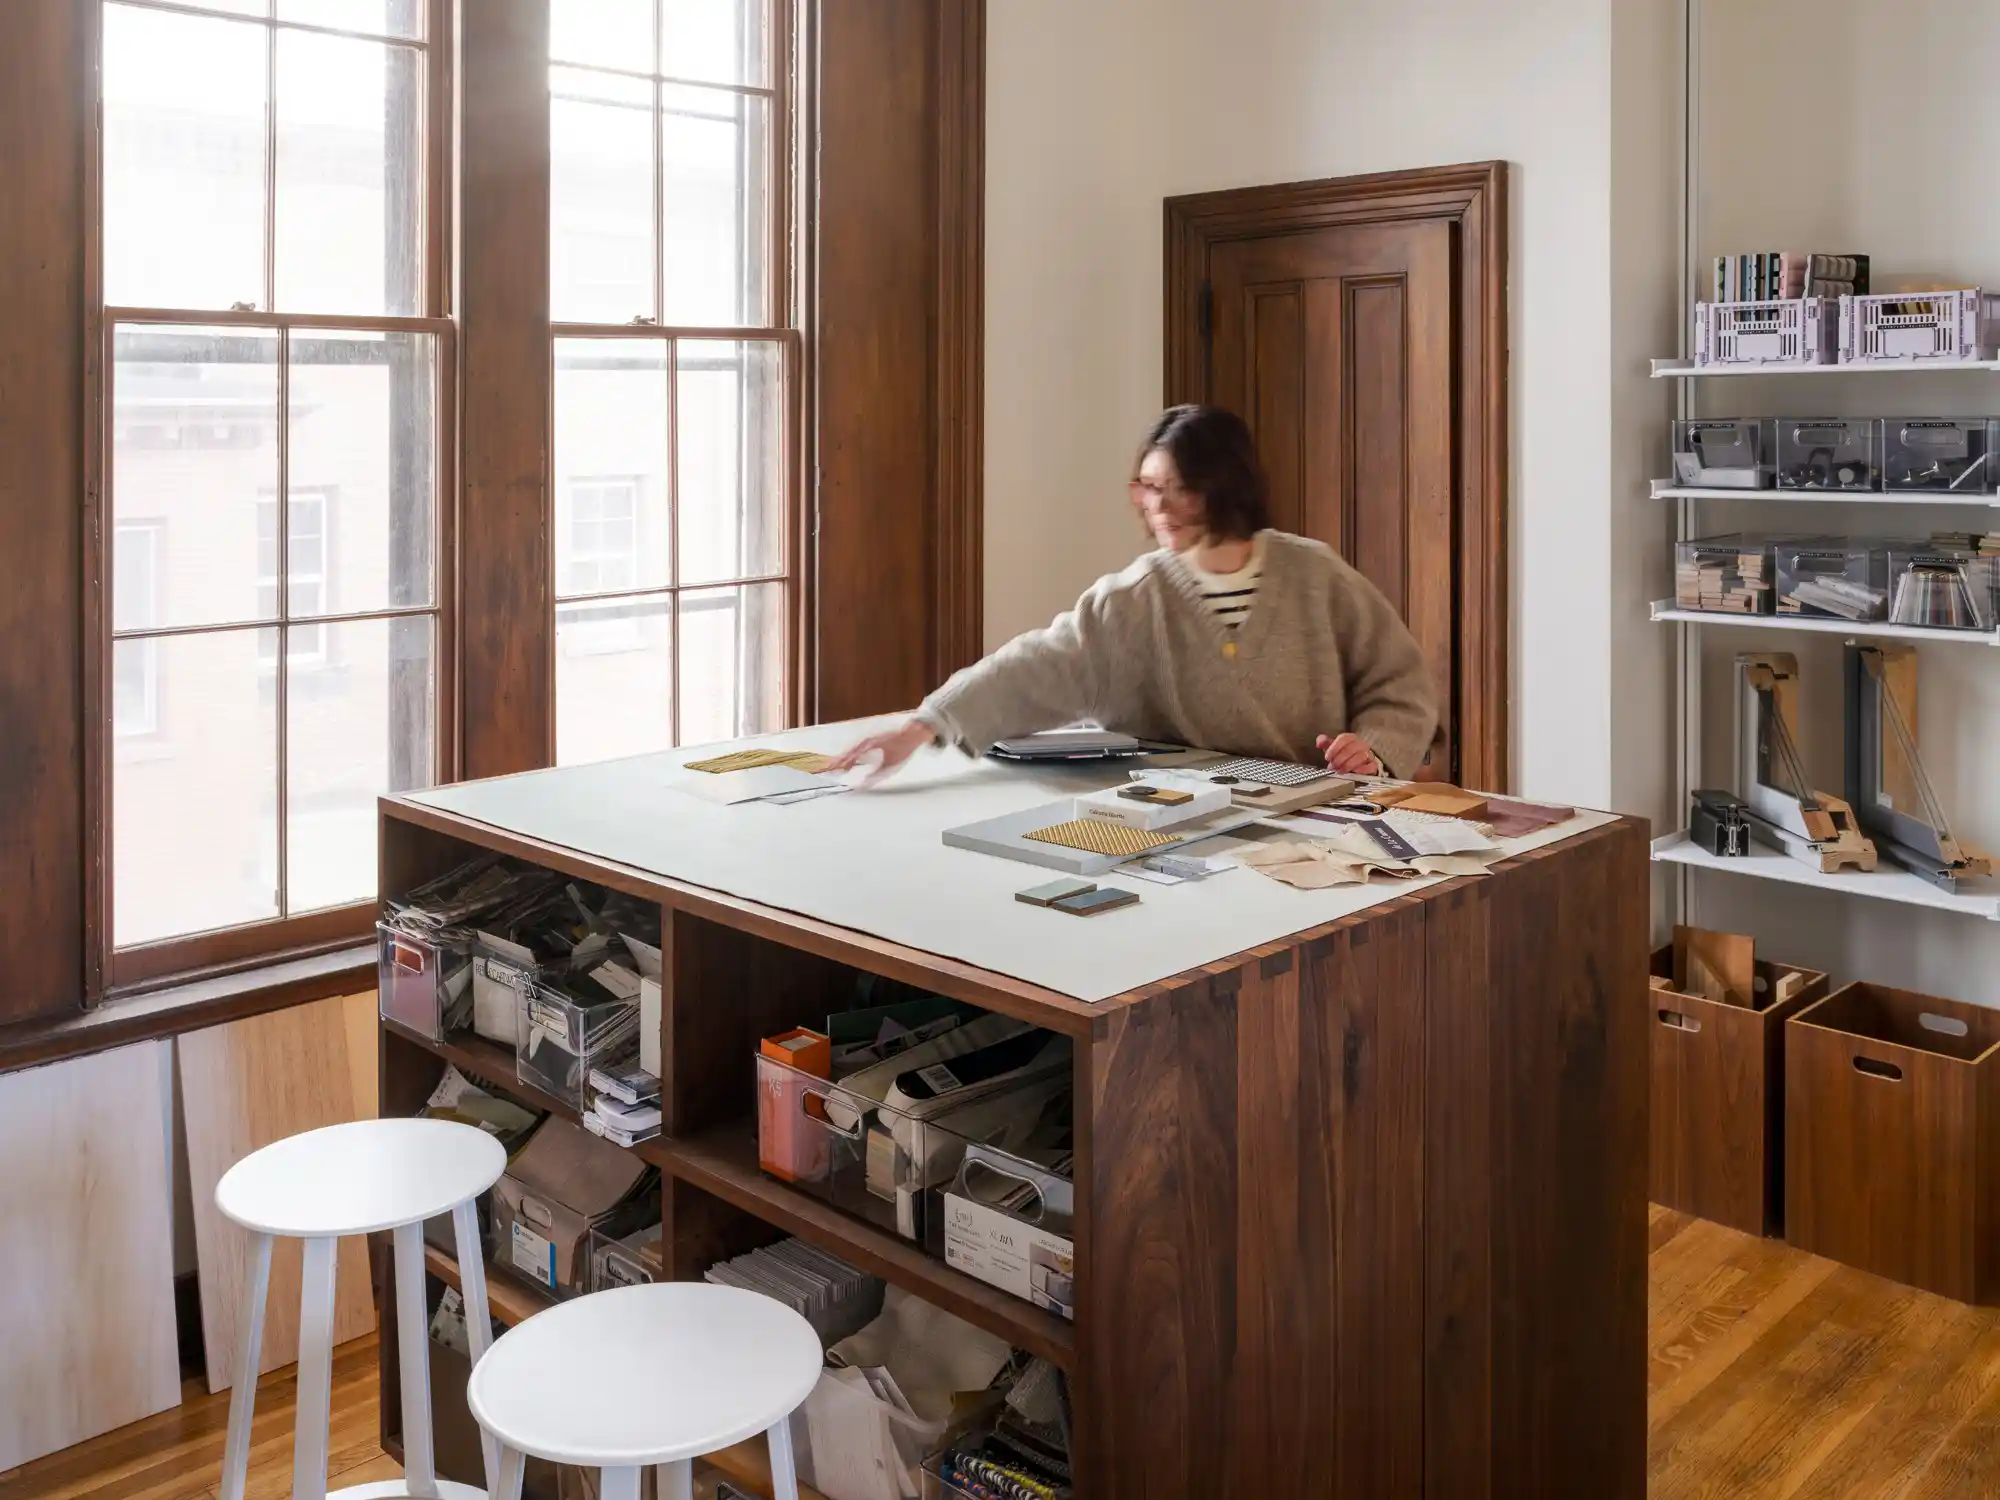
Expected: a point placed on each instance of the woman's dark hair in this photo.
(1216, 459)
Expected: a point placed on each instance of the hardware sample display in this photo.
(1785, 810)
(1719, 823)
(1945, 455)
(1887, 785)
(1727, 574)
(1828, 453)
(1724, 454)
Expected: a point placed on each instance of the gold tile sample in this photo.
(809, 761)
(1094, 837)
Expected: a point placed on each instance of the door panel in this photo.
(1335, 344)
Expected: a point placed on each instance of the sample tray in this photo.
(1006, 836)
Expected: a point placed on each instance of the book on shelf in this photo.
(1785, 275)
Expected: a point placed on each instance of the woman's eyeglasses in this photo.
(1173, 496)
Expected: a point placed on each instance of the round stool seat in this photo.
(360, 1177)
(645, 1375)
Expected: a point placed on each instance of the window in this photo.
(603, 540)
(305, 644)
(670, 290)
(135, 666)
(271, 430)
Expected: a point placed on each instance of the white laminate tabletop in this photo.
(875, 861)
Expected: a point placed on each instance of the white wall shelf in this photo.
(1663, 609)
(1885, 883)
(1681, 369)
(1666, 489)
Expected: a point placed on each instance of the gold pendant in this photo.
(1229, 649)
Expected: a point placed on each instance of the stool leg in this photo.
(315, 1381)
(509, 1469)
(413, 1337)
(249, 1354)
(478, 1318)
(676, 1481)
(784, 1477)
(619, 1484)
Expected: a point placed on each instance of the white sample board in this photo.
(875, 861)
(243, 1086)
(86, 1250)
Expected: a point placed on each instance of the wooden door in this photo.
(1334, 319)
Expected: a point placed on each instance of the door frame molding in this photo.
(1472, 198)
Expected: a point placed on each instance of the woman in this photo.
(1230, 637)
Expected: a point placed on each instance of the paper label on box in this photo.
(534, 1255)
(1032, 1263)
(618, 979)
(940, 1078)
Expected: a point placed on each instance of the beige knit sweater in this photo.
(1322, 652)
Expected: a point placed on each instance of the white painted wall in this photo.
(1099, 109)
(1888, 145)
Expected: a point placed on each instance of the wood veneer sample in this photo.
(243, 1086)
(86, 1250)
(1720, 966)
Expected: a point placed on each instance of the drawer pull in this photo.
(1679, 1022)
(1948, 1025)
(1876, 1069)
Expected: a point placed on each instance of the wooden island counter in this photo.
(1360, 1210)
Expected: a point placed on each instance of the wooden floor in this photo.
(179, 1453)
(1774, 1376)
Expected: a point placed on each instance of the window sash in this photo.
(109, 968)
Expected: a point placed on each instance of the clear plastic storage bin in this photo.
(633, 1260)
(1942, 455)
(1714, 454)
(1725, 574)
(1828, 578)
(564, 1033)
(837, 1146)
(423, 983)
(946, 1478)
(1941, 588)
(1010, 1222)
(1828, 453)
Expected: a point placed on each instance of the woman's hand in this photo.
(888, 750)
(1349, 754)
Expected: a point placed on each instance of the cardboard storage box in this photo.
(564, 1183)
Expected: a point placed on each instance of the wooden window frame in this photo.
(883, 218)
(109, 970)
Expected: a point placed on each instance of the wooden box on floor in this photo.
(1890, 1149)
(1717, 1132)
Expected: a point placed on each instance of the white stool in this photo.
(642, 1376)
(357, 1179)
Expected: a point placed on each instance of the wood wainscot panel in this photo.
(244, 1086)
(86, 1250)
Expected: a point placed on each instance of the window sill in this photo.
(190, 1006)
